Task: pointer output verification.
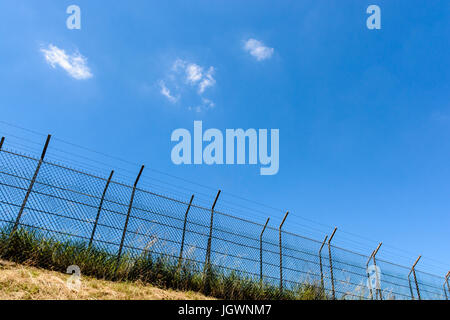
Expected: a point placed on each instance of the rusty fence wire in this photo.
(122, 219)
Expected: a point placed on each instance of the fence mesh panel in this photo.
(69, 205)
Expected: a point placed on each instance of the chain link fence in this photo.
(58, 204)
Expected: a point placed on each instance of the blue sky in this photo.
(364, 115)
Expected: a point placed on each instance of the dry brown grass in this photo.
(23, 282)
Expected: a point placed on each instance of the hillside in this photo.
(23, 282)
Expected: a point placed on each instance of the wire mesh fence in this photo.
(127, 223)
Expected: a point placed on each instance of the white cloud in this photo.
(257, 49)
(75, 64)
(166, 92)
(194, 73)
(182, 78)
(207, 81)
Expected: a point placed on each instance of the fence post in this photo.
(331, 263)
(260, 253)
(378, 284)
(1, 142)
(320, 262)
(130, 206)
(415, 279)
(184, 230)
(368, 275)
(30, 187)
(446, 282)
(208, 247)
(100, 208)
(207, 267)
(281, 253)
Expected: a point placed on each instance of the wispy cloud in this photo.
(207, 81)
(194, 73)
(75, 64)
(185, 76)
(166, 92)
(257, 49)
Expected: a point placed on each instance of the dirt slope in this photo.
(22, 282)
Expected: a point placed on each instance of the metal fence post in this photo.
(207, 266)
(261, 253)
(184, 230)
(448, 286)
(446, 280)
(130, 206)
(415, 279)
(281, 253)
(413, 271)
(30, 187)
(378, 283)
(368, 275)
(320, 261)
(331, 263)
(1, 142)
(100, 208)
(208, 247)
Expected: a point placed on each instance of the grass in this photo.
(31, 248)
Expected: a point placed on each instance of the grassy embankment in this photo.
(21, 282)
(49, 257)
